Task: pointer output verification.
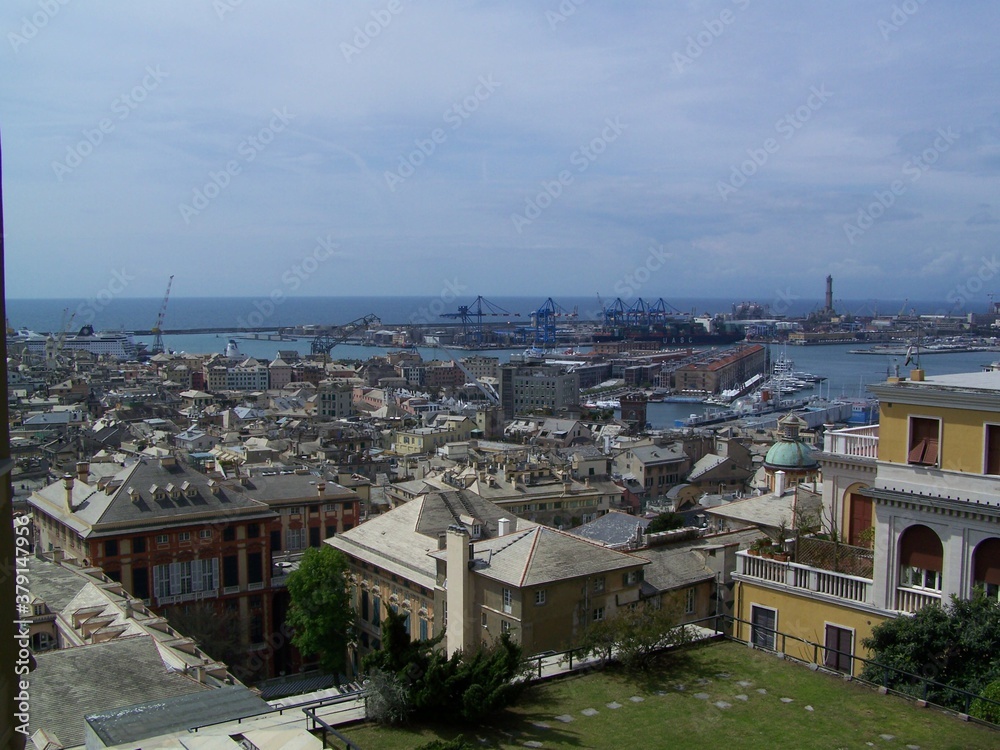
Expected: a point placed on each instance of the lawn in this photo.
(720, 695)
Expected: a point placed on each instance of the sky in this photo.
(731, 148)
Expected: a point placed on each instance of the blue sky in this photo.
(730, 148)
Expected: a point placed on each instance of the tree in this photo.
(957, 645)
(320, 611)
(987, 706)
(464, 688)
(665, 522)
(634, 634)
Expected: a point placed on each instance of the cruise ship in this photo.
(117, 344)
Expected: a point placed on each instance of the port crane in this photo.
(544, 321)
(157, 329)
(323, 343)
(472, 316)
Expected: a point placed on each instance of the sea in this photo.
(847, 374)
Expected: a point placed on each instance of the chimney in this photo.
(82, 471)
(320, 488)
(460, 632)
(128, 609)
(779, 483)
(503, 527)
(68, 484)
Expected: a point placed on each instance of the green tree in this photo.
(987, 706)
(320, 611)
(957, 645)
(633, 635)
(463, 688)
(665, 522)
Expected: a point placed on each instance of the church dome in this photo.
(790, 453)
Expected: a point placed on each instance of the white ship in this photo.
(117, 344)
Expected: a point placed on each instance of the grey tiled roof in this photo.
(70, 683)
(54, 585)
(399, 541)
(542, 555)
(95, 507)
(611, 528)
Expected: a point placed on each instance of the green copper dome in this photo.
(790, 454)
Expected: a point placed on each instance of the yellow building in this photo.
(918, 501)
(446, 429)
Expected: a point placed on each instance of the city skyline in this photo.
(723, 149)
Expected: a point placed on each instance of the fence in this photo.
(892, 679)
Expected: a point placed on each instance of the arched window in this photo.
(986, 566)
(921, 558)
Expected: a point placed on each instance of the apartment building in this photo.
(450, 558)
(173, 535)
(526, 388)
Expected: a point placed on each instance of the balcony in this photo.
(910, 600)
(804, 578)
(854, 442)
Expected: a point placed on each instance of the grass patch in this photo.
(844, 715)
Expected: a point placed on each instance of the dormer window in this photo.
(157, 492)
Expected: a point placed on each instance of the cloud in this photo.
(370, 84)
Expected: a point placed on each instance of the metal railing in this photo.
(891, 678)
(316, 722)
